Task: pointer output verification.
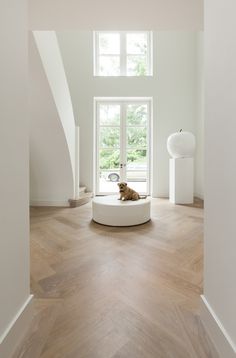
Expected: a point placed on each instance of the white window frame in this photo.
(123, 53)
(122, 101)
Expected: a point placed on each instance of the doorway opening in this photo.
(122, 144)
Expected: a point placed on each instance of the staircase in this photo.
(84, 198)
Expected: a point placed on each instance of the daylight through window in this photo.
(123, 53)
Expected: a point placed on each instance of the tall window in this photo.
(123, 53)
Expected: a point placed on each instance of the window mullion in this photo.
(150, 53)
(123, 53)
(97, 53)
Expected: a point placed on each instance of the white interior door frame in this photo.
(123, 102)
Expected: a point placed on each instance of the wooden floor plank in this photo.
(103, 292)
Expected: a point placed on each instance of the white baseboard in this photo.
(222, 341)
(16, 330)
(49, 203)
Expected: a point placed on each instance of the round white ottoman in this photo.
(108, 210)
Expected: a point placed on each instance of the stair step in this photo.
(85, 195)
(83, 198)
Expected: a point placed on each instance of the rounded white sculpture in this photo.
(108, 210)
(181, 145)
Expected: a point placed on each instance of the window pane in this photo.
(136, 115)
(109, 65)
(136, 65)
(136, 137)
(109, 159)
(109, 43)
(137, 43)
(109, 137)
(108, 181)
(136, 174)
(109, 114)
(137, 160)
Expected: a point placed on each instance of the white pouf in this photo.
(108, 210)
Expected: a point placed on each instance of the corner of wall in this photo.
(216, 331)
(17, 328)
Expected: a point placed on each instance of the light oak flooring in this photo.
(103, 292)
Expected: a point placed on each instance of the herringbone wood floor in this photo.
(104, 292)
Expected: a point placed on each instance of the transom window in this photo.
(123, 53)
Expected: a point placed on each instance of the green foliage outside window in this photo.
(136, 139)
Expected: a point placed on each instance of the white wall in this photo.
(14, 216)
(200, 118)
(173, 88)
(51, 174)
(220, 167)
(114, 15)
(176, 97)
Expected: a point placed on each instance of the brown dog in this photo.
(127, 193)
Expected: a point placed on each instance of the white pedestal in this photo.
(108, 210)
(181, 180)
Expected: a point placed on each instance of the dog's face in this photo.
(122, 186)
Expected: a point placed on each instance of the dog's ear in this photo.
(118, 184)
(125, 184)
